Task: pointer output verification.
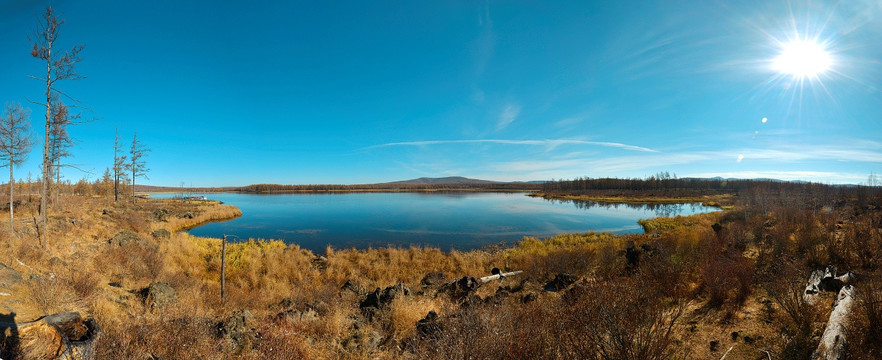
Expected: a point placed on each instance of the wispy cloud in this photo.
(507, 116)
(550, 143)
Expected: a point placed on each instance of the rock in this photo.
(158, 294)
(56, 261)
(239, 329)
(161, 234)
(186, 215)
(433, 278)
(561, 281)
(125, 238)
(65, 336)
(297, 316)
(461, 288)
(531, 297)
(500, 296)
(320, 262)
(380, 299)
(160, 215)
(362, 337)
(9, 276)
(353, 287)
(429, 325)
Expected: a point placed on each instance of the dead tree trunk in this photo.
(832, 345)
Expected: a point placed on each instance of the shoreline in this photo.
(723, 202)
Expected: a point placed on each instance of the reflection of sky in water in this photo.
(445, 220)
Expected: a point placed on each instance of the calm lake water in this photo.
(459, 220)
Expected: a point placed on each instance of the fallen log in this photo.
(490, 278)
(832, 345)
(826, 280)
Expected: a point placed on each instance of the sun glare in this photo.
(802, 58)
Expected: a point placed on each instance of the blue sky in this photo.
(237, 92)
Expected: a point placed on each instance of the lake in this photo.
(451, 220)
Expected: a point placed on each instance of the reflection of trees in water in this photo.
(660, 210)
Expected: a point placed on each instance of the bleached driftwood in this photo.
(832, 345)
(812, 289)
(826, 280)
(490, 278)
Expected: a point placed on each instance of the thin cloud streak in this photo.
(548, 143)
(508, 115)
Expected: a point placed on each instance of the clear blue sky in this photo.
(241, 92)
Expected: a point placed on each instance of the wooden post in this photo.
(223, 278)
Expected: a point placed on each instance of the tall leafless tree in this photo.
(59, 66)
(15, 142)
(137, 164)
(59, 140)
(119, 165)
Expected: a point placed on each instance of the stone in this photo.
(125, 238)
(353, 287)
(239, 329)
(380, 299)
(160, 215)
(433, 278)
(461, 288)
(161, 234)
(531, 297)
(429, 325)
(158, 294)
(561, 281)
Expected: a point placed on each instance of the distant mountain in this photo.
(450, 180)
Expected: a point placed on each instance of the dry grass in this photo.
(722, 275)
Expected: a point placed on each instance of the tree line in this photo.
(17, 139)
(270, 188)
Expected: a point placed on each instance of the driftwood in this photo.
(826, 280)
(832, 345)
(490, 278)
(65, 336)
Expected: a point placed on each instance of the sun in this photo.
(803, 59)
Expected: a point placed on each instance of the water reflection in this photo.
(659, 209)
(448, 220)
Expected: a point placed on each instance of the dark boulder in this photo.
(382, 298)
(433, 278)
(460, 289)
(239, 329)
(561, 281)
(429, 325)
(158, 294)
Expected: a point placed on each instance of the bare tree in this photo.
(58, 67)
(137, 164)
(119, 165)
(15, 142)
(59, 140)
